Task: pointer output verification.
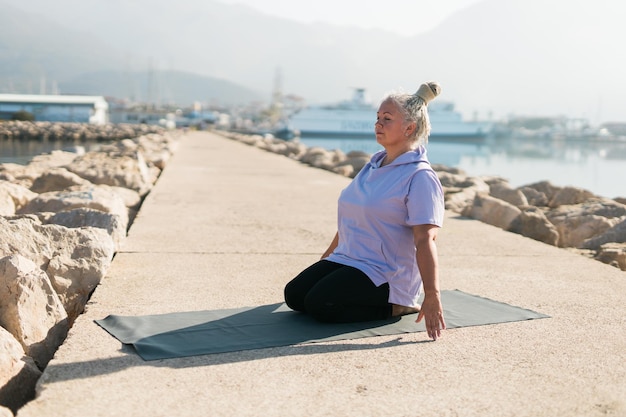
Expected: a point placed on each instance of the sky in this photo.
(404, 17)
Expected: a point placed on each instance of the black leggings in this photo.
(332, 292)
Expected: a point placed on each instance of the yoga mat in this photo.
(192, 333)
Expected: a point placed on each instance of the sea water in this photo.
(595, 165)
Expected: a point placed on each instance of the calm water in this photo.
(599, 167)
(21, 152)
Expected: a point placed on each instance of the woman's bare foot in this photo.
(398, 310)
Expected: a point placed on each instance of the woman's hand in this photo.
(432, 312)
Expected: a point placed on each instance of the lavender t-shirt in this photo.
(376, 213)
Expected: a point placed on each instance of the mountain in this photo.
(175, 87)
(32, 48)
(528, 57)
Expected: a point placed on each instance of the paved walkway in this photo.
(228, 225)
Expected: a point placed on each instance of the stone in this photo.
(13, 197)
(534, 197)
(319, 158)
(492, 211)
(30, 309)
(613, 254)
(85, 217)
(533, 223)
(18, 374)
(570, 195)
(616, 234)
(355, 162)
(579, 222)
(57, 179)
(544, 187)
(91, 197)
(459, 190)
(504, 191)
(115, 169)
(74, 259)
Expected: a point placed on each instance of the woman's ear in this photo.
(410, 129)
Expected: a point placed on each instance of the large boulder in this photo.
(74, 259)
(492, 211)
(119, 169)
(534, 197)
(503, 191)
(544, 187)
(570, 195)
(460, 190)
(92, 197)
(30, 309)
(613, 254)
(85, 217)
(616, 234)
(57, 179)
(18, 373)
(533, 223)
(13, 197)
(580, 222)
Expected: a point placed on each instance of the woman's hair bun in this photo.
(428, 91)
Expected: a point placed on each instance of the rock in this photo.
(13, 197)
(613, 254)
(450, 170)
(18, 374)
(355, 163)
(533, 223)
(30, 308)
(580, 222)
(85, 217)
(544, 187)
(92, 197)
(569, 195)
(460, 191)
(534, 197)
(74, 259)
(621, 200)
(319, 158)
(492, 211)
(7, 206)
(114, 169)
(57, 179)
(504, 191)
(616, 234)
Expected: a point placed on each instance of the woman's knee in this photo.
(293, 297)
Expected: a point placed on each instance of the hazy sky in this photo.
(405, 17)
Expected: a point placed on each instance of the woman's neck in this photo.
(392, 154)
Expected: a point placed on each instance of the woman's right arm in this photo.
(332, 246)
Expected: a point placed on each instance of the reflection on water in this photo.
(598, 166)
(21, 152)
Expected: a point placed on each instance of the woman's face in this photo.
(391, 128)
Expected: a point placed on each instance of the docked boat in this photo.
(356, 117)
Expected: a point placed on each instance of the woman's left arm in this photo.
(427, 262)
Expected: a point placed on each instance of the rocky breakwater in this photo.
(567, 217)
(62, 218)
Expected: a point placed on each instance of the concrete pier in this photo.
(228, 225)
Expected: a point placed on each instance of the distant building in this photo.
(56, 108)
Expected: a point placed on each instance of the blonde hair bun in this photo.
(428, 91)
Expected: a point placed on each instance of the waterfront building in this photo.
(56, 108)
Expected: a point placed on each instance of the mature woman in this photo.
(384, 252)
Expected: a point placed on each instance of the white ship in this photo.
(356, 118)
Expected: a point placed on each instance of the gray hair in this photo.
(415, 110)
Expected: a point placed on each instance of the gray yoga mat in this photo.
(192, 333)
